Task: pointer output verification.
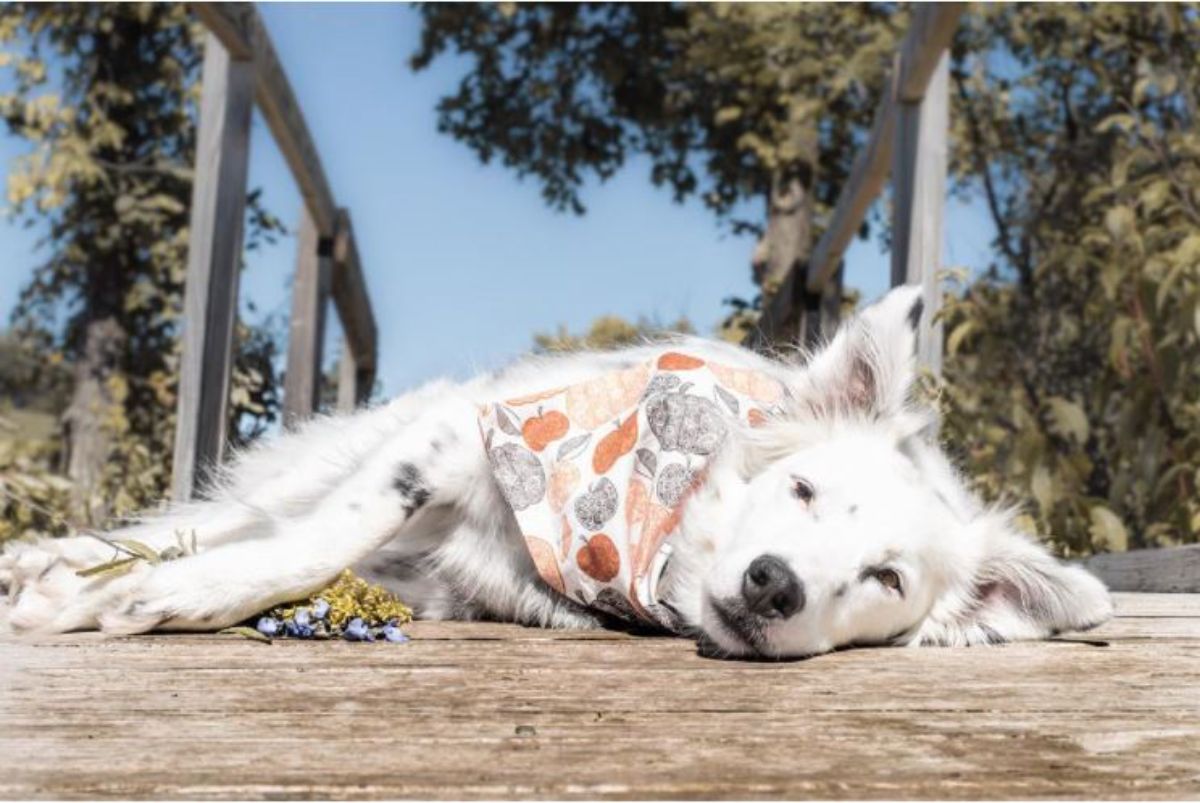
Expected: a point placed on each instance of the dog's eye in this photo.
(888, 578)
(802, 489)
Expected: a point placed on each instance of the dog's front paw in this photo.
(186, 594)
(42, 587)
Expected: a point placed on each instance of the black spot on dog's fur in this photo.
(914, 314)
(410, 483)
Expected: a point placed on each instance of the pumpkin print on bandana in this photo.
(598, 473)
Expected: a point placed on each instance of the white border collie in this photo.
(838, 522)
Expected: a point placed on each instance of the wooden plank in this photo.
(241, 29)
(306, 330)
(354, 306)
(1157, 570)
(214, 255)
(474, 710)
(931, 31)
(918, 204)
(867, 177)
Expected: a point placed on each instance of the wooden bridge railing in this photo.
(907, 140)
(241, 69)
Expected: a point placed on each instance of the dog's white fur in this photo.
(403, 491)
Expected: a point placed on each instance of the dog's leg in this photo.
(255, 500)
(431, 463)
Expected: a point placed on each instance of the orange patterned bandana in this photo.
(598, 473)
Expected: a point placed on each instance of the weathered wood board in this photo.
(214, 256)
(481, 710)
(1170, 569)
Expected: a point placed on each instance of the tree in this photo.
(1073, 377)
(609, 332)
(106, 95)
(730, 103)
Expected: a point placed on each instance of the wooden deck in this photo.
(469, 710)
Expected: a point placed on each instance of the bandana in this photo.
(598, 472)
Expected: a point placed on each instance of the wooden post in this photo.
(831, 304)
(306, 333)
(356, 374)
(347, 389)
(214, 253)
(919, 179)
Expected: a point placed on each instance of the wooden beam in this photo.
(306, 331)
(240, 28)
(348, 385)
(928, 36)
(867, 177)
(233, 24)
(214, 254)
(354, 304)
(1174, 570)
(918, 204)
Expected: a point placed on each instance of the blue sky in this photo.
(463, 262)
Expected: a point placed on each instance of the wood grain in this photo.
(214, 254)
(478, 710)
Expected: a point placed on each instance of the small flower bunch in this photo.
(350, 609)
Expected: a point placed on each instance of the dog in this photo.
(834, 520)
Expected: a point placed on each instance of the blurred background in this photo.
(533, 177)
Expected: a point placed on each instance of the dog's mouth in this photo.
(739, 625)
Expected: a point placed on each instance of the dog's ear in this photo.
(1017, 591)
(870, 364)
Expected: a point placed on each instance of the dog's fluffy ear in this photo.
(1016, 591)
(870, 364)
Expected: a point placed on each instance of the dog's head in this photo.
(851, 528)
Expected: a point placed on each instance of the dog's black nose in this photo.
(771, 589)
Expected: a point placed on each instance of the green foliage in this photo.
(105, 95)
(609, 332)
(1073, 369)
(712, 94)
(33, 499)
(350, 596)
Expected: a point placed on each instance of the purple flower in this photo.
(302, 617)
(393, 634)
(320, 609)
(356, 630)
(268, 626)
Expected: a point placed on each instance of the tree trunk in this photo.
(787, 242)
(88, 440)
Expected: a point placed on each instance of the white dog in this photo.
(834, 521)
